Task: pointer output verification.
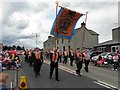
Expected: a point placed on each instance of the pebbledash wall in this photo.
(49, 43)
(90, 39)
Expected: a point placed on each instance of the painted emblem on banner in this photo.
(65, 22)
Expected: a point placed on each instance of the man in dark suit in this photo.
(71, 56)
(37, 62)
(79, 61)
(54, 64)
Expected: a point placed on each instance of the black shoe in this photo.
(50, 77)
(79, 74)
(76, 72)
(39, 74)
(86, 70)
(57, 80)
(36, 76)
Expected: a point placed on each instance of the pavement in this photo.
(97, 77)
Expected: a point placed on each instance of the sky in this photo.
(22, 20)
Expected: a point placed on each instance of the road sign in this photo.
(23, 82)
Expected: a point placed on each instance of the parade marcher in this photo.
(79, 61)
(115, 61)
(86, 60)
(37, 62)
(59, 56)
(42, 60)
(119, 59)
(71, 56)
(54, 64)
(65, 56)
(3, 81)
(51, 53)
(110, 59)
(26, 55)
(30, 58)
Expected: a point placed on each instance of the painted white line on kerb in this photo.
(67, 69)
(101, 84)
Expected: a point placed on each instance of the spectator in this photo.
(3, 81)
(119, 59)
(115, 61)
(110, 57)
(86, 60)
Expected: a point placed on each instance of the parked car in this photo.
(94, 53)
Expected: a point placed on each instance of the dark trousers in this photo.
(115, 65)
(30, 61)
(79, 66)
(26, 58)
(65, 60)
(60, 59)
(37, 66)
(86, 64)
(52, 66)
(71, 60)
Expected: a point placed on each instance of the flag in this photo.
(65, 22)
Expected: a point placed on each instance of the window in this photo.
(58, 41)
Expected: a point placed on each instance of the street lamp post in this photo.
(36, 39)
(31, 36)
(36, 36)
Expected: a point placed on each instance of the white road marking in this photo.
(101, 84)
(107, 84)
(74, 72)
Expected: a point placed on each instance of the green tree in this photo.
(14, 47)
(19, 48)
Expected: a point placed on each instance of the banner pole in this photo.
(57, 4)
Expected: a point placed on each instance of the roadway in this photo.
(96, 78)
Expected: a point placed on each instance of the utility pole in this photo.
(36, 40)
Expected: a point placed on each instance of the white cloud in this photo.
(18, 20)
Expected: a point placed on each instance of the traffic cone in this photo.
(23, 83)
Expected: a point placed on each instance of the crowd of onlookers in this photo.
(9, 60)
(107, 59)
